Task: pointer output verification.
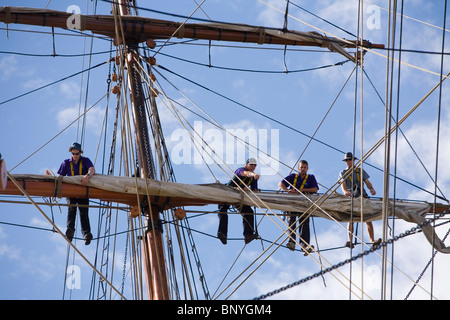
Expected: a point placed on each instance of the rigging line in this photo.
(150, 219)
(283, 124)
(130, 243)
(411, 18)
(216, 124)
(180, 26)
(336, 266)
(426, 267)
(197, 133)
(391, 35)
(72, 33)
(329, 34)
(409, 144)
(212, 121)
(17, 184)
(129, 67)
(277, 247)
(346, 41)
(166, 161)
(201, 9)
(246, 107)
(438, 129)
(250, 47)
(360, 63)
(177, 230)
(260, 208)
(226, 274)
(324, 20)
(400, 122)
(36, 55)
(324, 117)
(233, 24)
(392, 230)
(397, 125)
(55, 136)
(255, 70)
(52, 83)
(128, 126)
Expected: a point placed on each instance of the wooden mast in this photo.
(154, 261)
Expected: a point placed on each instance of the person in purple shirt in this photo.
(78, 166)
(246, 179)
(305, 183)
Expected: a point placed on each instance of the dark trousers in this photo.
(248, 219)
(303, 229)
(84, 215)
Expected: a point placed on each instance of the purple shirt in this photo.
(68, 165)
(309, 183)
(248, 181)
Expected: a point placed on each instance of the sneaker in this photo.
(349, 244)
(376, 244)
(222, 237)
(250, 237)
(290, 245)
(69, 234)
(307, 250)
(87, 238)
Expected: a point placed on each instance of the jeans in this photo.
(248, 219)
(84, 215)
(303, 229)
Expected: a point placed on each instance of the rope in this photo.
(354, 258)
(176, 116)
(16, 183)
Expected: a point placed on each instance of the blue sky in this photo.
(36, 136)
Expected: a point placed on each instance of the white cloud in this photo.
(270, 17)
(94, 117)
(8, 67)
(70, 90)
(10, 252)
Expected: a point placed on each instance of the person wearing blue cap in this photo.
(78, 166)
(244, 178)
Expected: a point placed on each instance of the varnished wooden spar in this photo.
(165, 195)
(140, 29)
(54, 188)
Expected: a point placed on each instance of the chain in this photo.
(354, 258)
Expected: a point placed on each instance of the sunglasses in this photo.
(75, 154)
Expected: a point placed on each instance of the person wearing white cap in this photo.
(244, 178)
(351, 187)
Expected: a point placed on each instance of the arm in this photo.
(370, 186)
(85, 179)
(282, 186)
(311, 190)
(246, 173)
(344, 189)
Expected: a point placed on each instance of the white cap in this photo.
(251, 161)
